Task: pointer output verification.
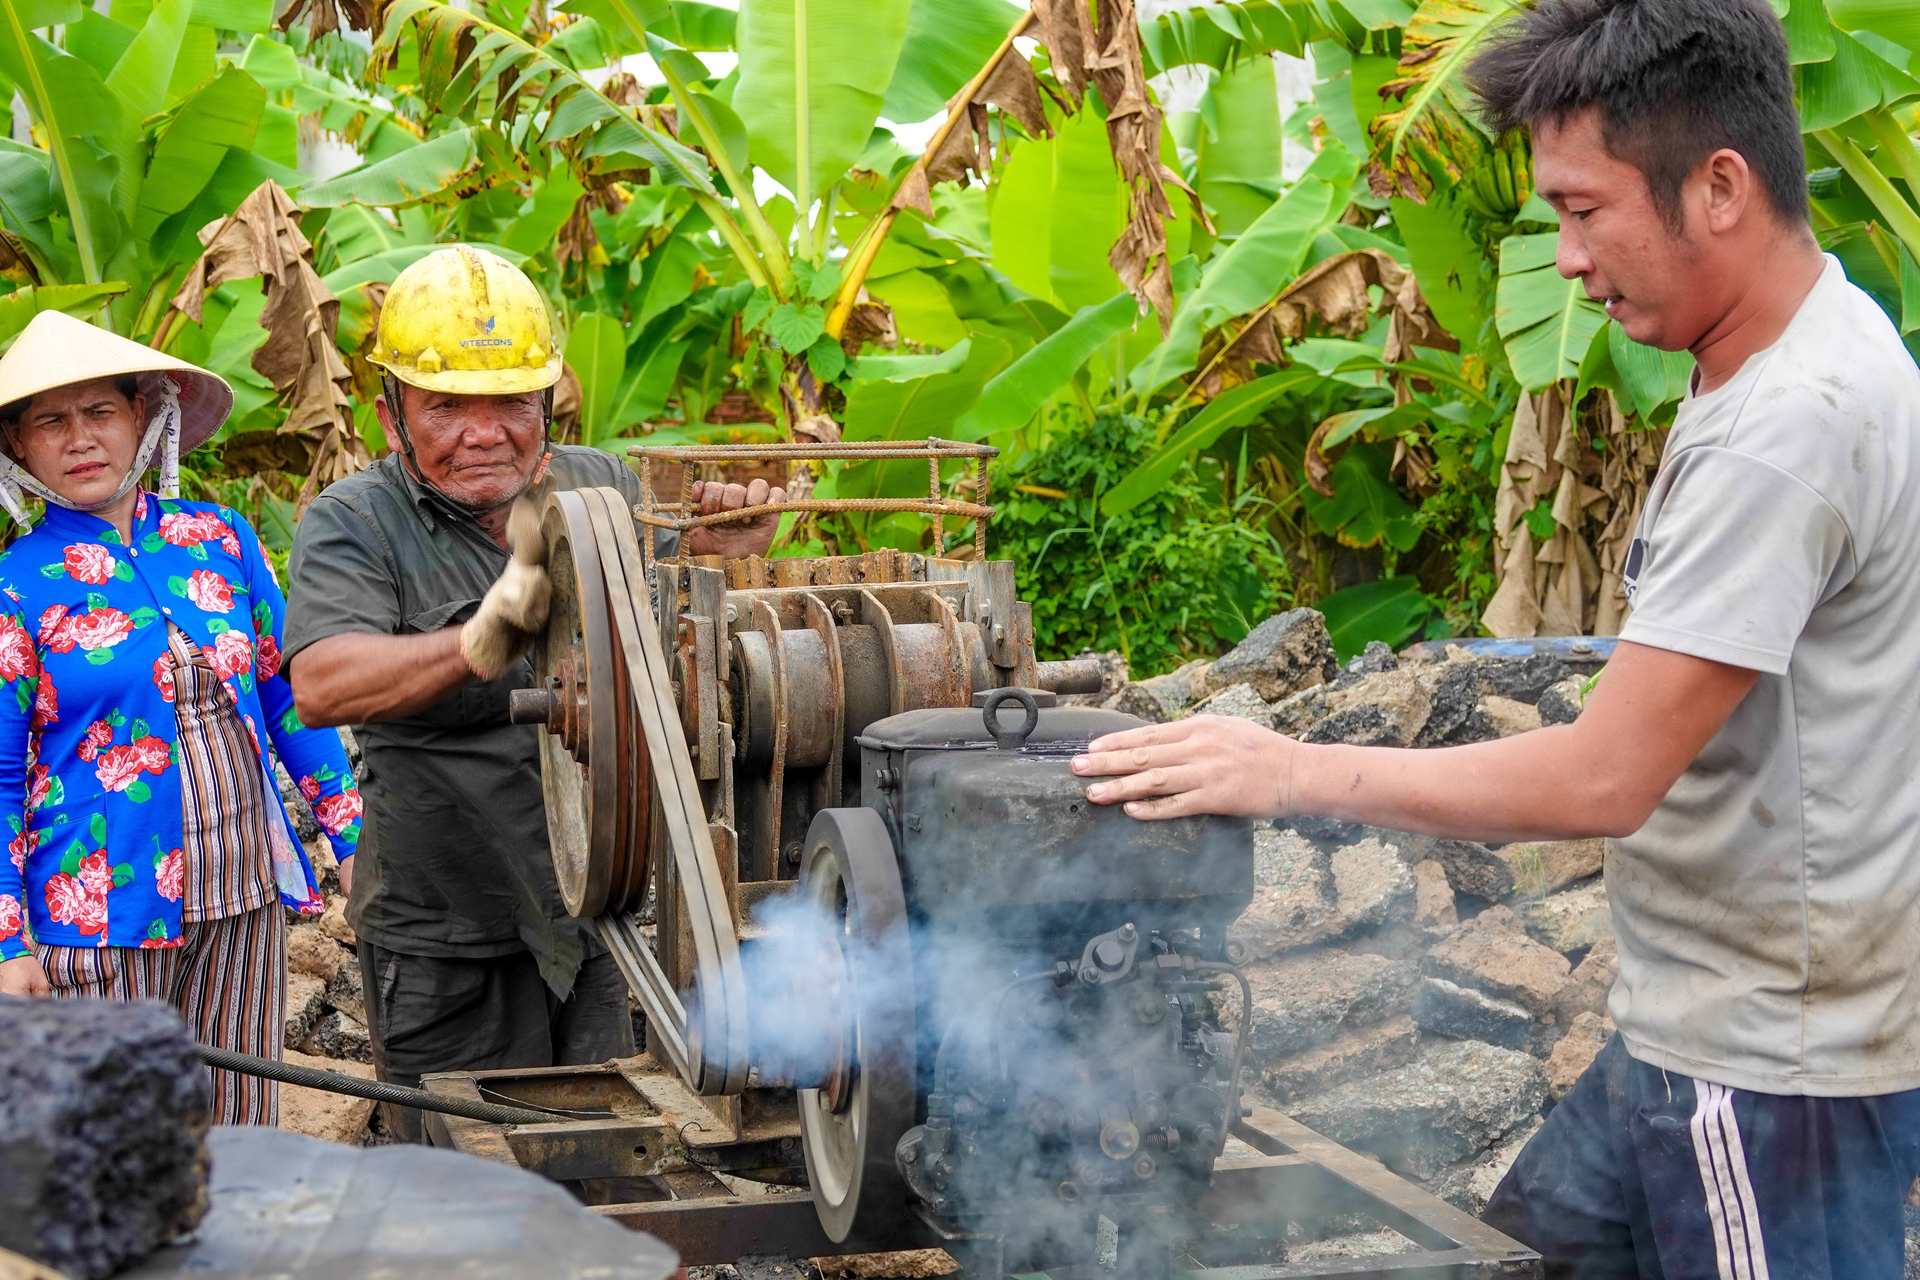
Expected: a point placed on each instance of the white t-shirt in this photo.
(1768, 913)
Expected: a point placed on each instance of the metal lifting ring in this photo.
(1010, 739)
(849, 1129)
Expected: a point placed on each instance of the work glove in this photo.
(514, 610)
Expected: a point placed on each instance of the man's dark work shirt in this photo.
(453, 854)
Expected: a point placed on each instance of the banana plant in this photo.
(144, 134)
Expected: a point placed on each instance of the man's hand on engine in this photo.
(747, 537)
(514, 609)
(1208, 764)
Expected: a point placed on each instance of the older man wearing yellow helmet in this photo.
(410, 621)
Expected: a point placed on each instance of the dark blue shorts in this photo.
(1641, 1172)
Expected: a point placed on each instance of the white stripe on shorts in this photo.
(1734, 1214)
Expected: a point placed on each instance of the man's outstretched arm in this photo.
(1644, 723)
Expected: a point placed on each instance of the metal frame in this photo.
(674, 1142)
(680, 515)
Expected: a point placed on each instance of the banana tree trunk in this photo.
(1569, 581)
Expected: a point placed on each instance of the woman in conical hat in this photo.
(142, 710)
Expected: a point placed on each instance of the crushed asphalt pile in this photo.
(1425, 1001)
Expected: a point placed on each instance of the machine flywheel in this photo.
(850, 1126)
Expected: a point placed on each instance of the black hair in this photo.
(1675, 81)
(126, 384)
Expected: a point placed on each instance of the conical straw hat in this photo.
(56, 349)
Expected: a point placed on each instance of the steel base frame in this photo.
(643, 1150)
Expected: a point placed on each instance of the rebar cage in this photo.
(681, 516)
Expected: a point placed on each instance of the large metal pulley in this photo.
(620, 785)
(593, 758)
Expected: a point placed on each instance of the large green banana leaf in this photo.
(1017, 392)
(88, 137)
(1547, 322)
(1448, 263)
(813, 74)
(687, 24)
(224, 114)
(1895, 20)
(1388, 609)
(26, 206)
(597, 354)
(1809, 34)
(1365, 509)
(1254, 268)
(141, 76)
(947, 43)
(82, 300)
(1236, 145)
(1854, 80)
(1055, 211)
(1232, 408)
(234, 15)
(1220, 35)
(928, 404)
(420, 171)
(1651, 376)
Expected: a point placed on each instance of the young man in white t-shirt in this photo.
(1752, 748)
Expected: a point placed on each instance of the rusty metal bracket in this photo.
(767, 623)
(694, 657)
(990, 605)
(820, 620)
(875, 615)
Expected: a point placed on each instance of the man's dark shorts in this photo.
(432, 1013)
(1641, 1172)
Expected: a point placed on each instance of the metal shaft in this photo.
(379, 1091)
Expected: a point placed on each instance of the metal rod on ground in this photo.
(379, 1091)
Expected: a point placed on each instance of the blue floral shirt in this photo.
(89, 784)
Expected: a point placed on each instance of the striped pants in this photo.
(1640, 1172)
(228, 979)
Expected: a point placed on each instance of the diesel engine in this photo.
(1044, 965)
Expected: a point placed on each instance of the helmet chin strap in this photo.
(396, 407)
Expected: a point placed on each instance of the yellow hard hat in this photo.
(466, 321)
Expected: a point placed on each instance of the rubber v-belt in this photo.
(720, 1066)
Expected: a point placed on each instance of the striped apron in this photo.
(227, 977)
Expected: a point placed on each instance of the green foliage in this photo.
(1015, 394)
(945, 44)
(1389, 610)
(1177, 576)
(1053, 213)
(813, 75)
(1548, 321)
(1245, 275)
(1233, 409)
(1235, 138)
(1258, 451)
